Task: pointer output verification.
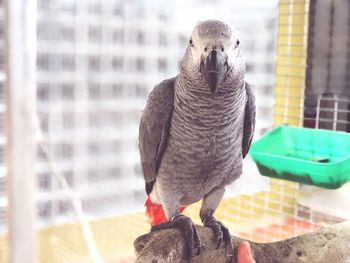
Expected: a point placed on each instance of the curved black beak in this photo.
(215, 69)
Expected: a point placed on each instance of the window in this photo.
(162, 39)
(118, 36)
(44, 122)
(140, 65)
(68, 91)
(116, 146)
(140, 38)
(94, 63)
(163, 17)
(64, 207)
(43, 62)
(93, 148)
(44, 182)
(162, 64)
(118, 10)
(141, 91)
(69, 176)
(249, 45)
(118, 117)
(55, 62)
(40, 154)
(269, 67)
(117, 90)
(250, 67)
(68, 62)
(43, 91)
(67, 150)
(43, 32)
(95, 34)
(271, 45)
(99, 148)
(44, 210)
(68, 120)
(93, 175)
(115, 172)
(67, 6)
(117, 63)
(100, 175)
(94, 90)
(95, 8)
(45, 5)
(67, 33)
(94, 119)
(63, 151)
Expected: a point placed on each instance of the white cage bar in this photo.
(20, 100)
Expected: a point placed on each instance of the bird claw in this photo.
(221, 234)
(193, 244)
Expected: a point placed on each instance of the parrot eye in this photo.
(206, 49)
(222, 49)
(191, 42)
(237, 43)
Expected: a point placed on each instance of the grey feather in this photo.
(249, 120)
(154, 128)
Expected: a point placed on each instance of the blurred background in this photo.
(94, 64)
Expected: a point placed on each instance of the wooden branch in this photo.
(330, 244)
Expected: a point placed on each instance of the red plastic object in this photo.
(155, 212)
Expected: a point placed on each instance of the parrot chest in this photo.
(204, 145)
(207, 125)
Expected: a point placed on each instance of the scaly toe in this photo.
(221, 234)
(218, 234)
(192, 242)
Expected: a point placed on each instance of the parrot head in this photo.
(214, 52)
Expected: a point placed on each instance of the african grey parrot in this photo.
(196, 129)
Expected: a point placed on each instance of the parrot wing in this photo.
(154, 129)
(249, 120)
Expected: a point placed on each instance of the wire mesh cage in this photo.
(97, 61)
(327, 83)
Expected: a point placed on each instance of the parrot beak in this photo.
(215, 69)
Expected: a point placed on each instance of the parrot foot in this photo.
(221, 233)
(193, 244)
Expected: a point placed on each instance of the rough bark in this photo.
(329, 244)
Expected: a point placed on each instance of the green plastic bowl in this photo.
(316, 157)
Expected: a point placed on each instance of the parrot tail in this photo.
(155, 212)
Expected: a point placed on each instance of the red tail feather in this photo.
(155, 212)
